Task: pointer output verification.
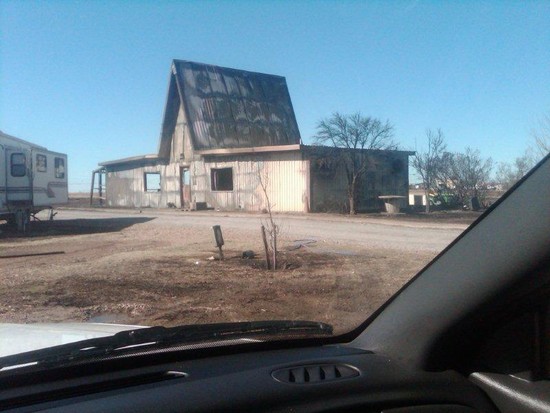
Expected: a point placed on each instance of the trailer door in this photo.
(18, 176)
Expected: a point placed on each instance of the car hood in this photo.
(18, 338)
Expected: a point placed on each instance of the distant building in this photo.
(224, 129)
(417, 196)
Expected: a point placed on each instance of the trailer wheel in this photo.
(22, 219)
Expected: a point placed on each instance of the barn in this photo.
(228, 138)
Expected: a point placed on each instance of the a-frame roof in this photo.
(228, 108)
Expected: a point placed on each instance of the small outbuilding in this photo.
(226, 134)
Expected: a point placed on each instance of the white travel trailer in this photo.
(32, 178)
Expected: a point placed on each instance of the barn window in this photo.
(397, 166)
(221, 179)
(41, 163)
(152, 182)
(18, 164)
(59, 164)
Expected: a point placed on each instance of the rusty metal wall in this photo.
(286, 176)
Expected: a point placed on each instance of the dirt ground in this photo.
(128, 270)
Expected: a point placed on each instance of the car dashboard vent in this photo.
(315, 373)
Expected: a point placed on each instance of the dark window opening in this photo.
(41, 163)
(59, 164)
(152, 182)
(18, 164)
(221, 179)
(397, 166)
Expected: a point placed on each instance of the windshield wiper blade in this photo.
(135, 340)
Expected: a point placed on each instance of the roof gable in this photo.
(229, 108)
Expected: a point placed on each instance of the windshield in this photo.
(169, 164)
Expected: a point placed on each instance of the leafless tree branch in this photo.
(352, 136)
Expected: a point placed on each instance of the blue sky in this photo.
(90, 78)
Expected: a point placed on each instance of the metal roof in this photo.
(229, 108)
(132, 159)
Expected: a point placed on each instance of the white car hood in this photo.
(18, 338)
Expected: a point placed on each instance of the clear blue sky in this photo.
(90, 78)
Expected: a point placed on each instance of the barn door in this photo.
(18, 175)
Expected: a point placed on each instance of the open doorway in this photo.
(185, 188)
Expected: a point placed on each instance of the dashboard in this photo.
(333, 378)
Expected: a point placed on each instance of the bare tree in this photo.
(352, 136)
(466, 174)
(541, 137)
(428, 164)
(270, 226)
(509, 173)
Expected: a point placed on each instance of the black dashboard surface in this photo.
(315, 379)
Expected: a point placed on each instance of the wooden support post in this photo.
(267, 260)
(92, 189)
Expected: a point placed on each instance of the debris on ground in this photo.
(248, 254)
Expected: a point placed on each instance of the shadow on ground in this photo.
(71, 227)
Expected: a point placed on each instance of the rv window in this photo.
(152, 182)
(60, 168)
(41, 163)
(222, 179)
(18, 164)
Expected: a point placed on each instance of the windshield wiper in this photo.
(134, 340)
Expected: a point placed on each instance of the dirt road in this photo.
(362, 232)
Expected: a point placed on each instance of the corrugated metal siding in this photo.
(126, 188)
(286, 177)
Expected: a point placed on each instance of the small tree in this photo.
(269, 226)
(429, 164)
(352, 136)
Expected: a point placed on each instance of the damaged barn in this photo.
(225, 130)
